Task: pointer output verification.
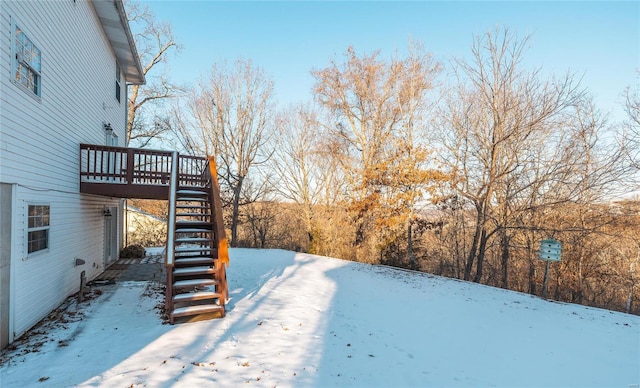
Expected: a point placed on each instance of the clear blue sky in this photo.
(597, 40)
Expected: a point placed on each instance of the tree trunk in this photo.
(532, 276)
(458, 256)
(504, 245)
(263, 239)
(481, 252)
(359, 238)
(254, 232)
(410, 254)
(579, 292)
(472, 251)
(235, 218)
(309, 224)
(627, 306)
(532, 263)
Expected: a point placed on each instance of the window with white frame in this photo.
(27, 61)
(38, 228)
(118, 88)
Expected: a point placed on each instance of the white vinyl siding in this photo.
(39, 149)
(44, 280)
(77, 100)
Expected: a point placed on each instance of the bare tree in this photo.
(233, 115)
(632, 125)
(155, 43)
(296, 164)
(494, 124)
(261, 220)
(372, 104)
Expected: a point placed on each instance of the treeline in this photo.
(599, 266)
(459, 170)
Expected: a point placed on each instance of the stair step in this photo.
(195, 310)
(191, 207)
(190, 271)
(194, 283)
(192, 260)
(191, 240)
(192, 199)
(194, 222)
(180, 225)
(192, 214)
(192, 249)
(193, 296)
(193, 230)
(196, 193)
(181, 218)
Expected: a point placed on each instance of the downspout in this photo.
(14, 259)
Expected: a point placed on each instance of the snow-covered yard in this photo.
(303, 320)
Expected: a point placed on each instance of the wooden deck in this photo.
(123, 172)
(196, 255)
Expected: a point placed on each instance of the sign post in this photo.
(550, 250)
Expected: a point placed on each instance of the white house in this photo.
(64, 70)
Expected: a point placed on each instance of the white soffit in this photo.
(116, 28)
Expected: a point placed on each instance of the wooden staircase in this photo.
(197, 252)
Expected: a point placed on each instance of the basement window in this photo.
(38, 228)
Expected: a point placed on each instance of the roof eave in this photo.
(115, 24)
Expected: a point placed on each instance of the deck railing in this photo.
(192, 171)
(135, 167)
(107, 164)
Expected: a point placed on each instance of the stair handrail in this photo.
(223, 249)
(171, 219)
(221, 236)
(171, 231)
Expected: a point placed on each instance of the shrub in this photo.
(133, 252)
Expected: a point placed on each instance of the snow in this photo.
(301, 320)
